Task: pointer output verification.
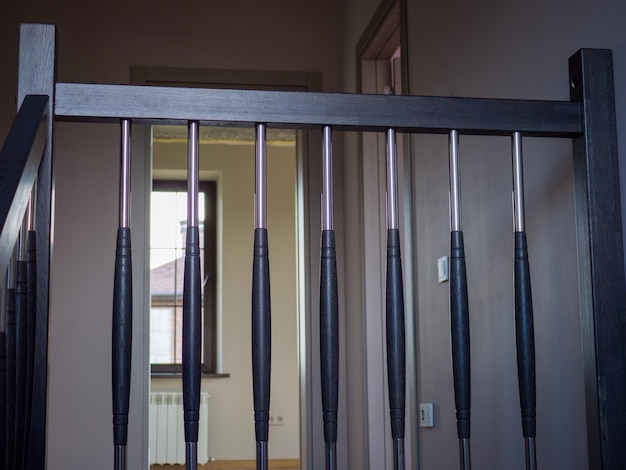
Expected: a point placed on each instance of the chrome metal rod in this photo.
(192, 175)
(518, 183)
(530, 453)
(191, 455)
(260, 194)
(120, 458)
(327, 180)
(31, 211)
(124, 212)
(392, 181)
(455, 182)
(22, 241)
(464, 454)
(331, 456)
(262, 456)
(398, 454)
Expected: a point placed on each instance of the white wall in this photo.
(231, 433)
(99, 43)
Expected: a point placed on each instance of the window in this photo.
(168, 224)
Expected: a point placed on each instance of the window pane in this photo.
(167, 260)
(162, 342)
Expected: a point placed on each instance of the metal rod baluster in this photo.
(122, 308)
(261, 307)
(21, 306)
(329, 314)
(459, 310)
(3, 392)
(31, 313)
(11, 368)
(192, 308)
(396, 353)
(524, 329)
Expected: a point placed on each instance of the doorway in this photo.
(227, 159)
(381, 69)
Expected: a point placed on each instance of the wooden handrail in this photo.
(19, 163)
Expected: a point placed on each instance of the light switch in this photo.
(442, 268)
(427, 415)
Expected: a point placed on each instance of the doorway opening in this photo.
(227, 162)
(381, 69)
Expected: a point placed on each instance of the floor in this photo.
(276, 464)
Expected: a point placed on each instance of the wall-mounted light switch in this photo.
(442, 268)
(427, 415)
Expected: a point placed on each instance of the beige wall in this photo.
(231, 433)
(484, 49)
(99, 43)
(496, 50)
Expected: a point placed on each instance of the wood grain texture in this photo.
(601, 261)
(354, 112)
(36, 76)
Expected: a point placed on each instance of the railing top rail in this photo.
(302, 110)
(19, 163)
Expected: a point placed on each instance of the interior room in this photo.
(485, 49)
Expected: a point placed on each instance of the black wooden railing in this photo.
(20, 358)
(589, 119)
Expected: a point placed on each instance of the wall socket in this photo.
(427, 415)
(277, 420)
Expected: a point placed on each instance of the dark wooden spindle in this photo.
(396, 349)
(31, 321)
(261, 308)
(21, 359)
(459, 310)
(9, 405)
(192, 308)
(122, 309)
(524, 328)
(3, 397)
(329, 310)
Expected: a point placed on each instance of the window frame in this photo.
(209, 343)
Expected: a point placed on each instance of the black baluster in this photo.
(192, 308)
(524, 329)
(3, 396)
(459, 310)
(329, 314)
(21, 315)
(396, 350)
(31, 320)
(11, 348)
(261, 309)
(122, 309)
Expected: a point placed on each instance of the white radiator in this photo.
(167, 436)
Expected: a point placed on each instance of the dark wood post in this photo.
(36, 76)
(600, 258)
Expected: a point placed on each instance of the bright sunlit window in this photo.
(168, 225)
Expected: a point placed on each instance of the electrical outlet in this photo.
(427, 415)
(277, 420)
